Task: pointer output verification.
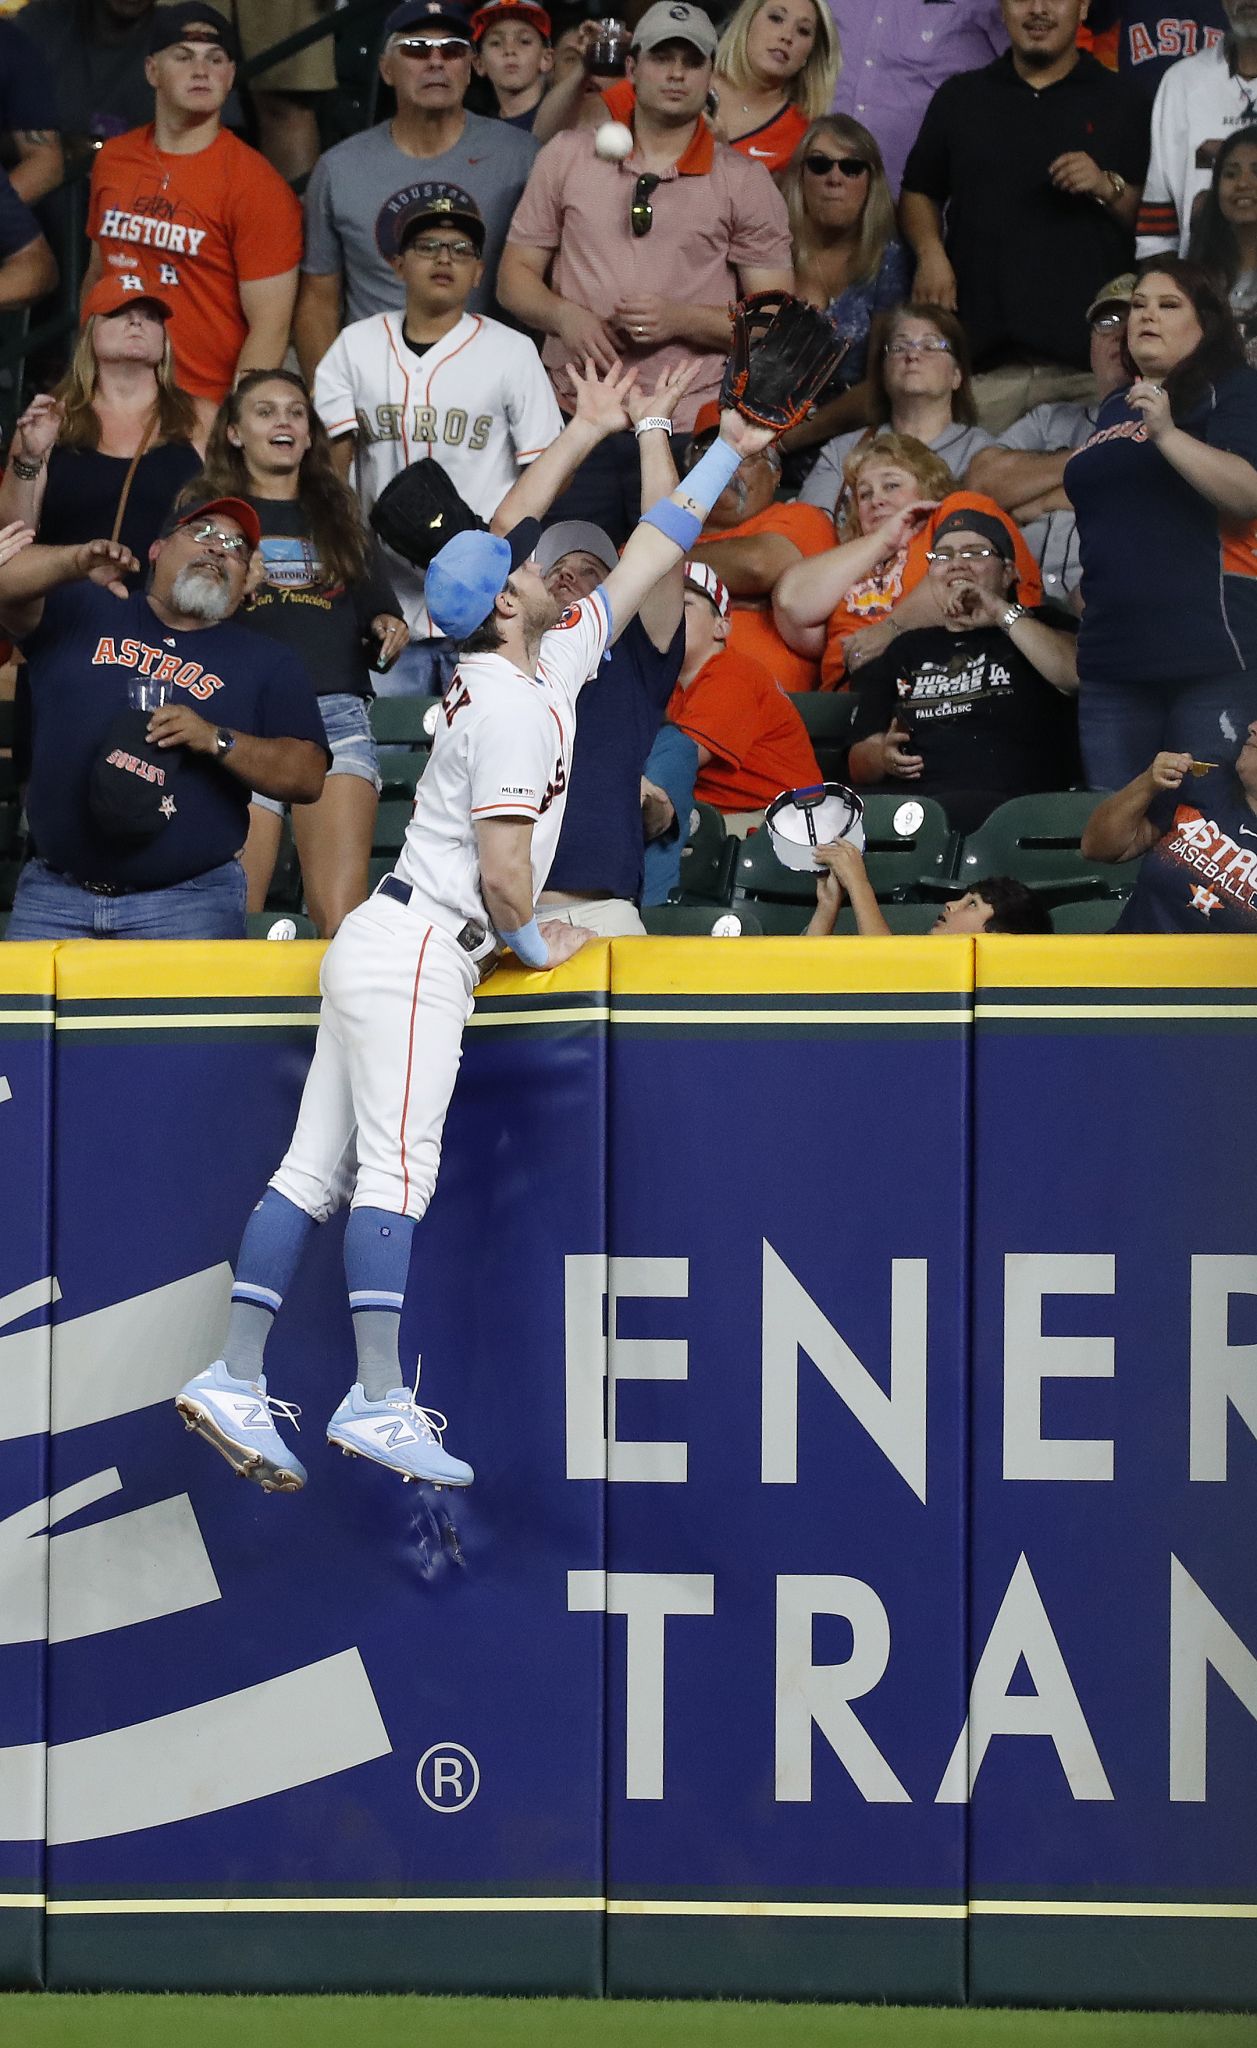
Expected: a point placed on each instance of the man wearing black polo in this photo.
(1019, 200)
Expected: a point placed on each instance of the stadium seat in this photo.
(285, 893)
(400, 769)
(391, 820)
(259, 924)
(1036, 839)
(904, 851)
(828, 716)
(695, 920)
(1087, 914)
(9, 872)
(405, 721)
(759, 875)
(707, 858)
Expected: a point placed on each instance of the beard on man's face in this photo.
(202, 591)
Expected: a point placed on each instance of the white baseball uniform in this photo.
(478, 400)
(399, 977)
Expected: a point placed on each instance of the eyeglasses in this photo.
(433, 46)
(1108, 323)
(935, 346)
(642, 213)
(821, 165)
(228, 543)
(430, 247)
(939, 557)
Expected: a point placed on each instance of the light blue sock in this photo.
(377, 1260)
(270, 1252)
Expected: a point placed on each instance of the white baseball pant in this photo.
(397, 994)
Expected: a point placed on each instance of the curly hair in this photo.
(1220, 347)
(812, 88)
(905, 452)
(80, 428)
(877, 221)
(336, 529)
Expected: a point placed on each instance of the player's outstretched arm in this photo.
(32, 571)
(670, 529)
(600, 402)
(505, 849)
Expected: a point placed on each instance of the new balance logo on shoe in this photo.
(391, 1434)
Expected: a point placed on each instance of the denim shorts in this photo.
(348, 728)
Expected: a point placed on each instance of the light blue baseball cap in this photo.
(466, 575)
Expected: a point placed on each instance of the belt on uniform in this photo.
(470, 938)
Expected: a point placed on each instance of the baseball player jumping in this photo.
(399, 977)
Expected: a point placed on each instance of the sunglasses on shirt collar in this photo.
(641, 212)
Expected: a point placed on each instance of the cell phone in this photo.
(377, 662)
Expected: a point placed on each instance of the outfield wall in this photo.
(902, 1645)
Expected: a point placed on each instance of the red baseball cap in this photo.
(119, 289)
(230, 508)
(496, 11)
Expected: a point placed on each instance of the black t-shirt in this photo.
(84, 486)
(600, 850)
(1201, 876)
(81, 657)
(325, 623)
(983, 719)
(1028, 258)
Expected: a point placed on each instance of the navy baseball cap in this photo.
(446, 205)
(176, 25)
(440, 14)
(469, 572)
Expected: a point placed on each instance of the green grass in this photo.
(63, 2021)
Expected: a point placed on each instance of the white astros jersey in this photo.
(503, 749)
(478, 400)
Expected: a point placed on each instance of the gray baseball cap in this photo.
(674, 21)
(572, 536)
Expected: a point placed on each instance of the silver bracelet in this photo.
(653, 420)
(1011, 616)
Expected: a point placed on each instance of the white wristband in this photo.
(654, 420)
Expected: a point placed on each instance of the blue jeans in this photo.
(347, 723)
(422, 669)
(1123, 725)
(50, 906)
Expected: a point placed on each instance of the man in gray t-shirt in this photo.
(357, 188)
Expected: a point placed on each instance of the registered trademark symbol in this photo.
(448, 1777)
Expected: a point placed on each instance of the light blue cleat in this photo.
(235, 1417)
(398, 1433)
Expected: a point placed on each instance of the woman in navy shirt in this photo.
(1165, 493)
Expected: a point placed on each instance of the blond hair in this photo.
(176, 416)
(812, 88)
(877, 221)
(905, 452)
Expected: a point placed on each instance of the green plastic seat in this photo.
(260, 923)
(695, 920)
(1037, 840)
(400, 769)
(1087, 914)
(405, 721)
(391, 820)
(828, 716)
(707, 858)
(904, 852)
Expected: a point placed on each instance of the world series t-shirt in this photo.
(1201, 876)
(193, 229)
(82, 655)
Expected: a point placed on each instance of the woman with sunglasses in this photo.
(919, 383)
(1224, 232)
(110, 449)
(847, 259)
(322, 591)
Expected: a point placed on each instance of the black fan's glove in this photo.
(419, 511)
(784, 353)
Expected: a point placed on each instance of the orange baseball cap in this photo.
(706, 419)
(497, 11)
(119, 289)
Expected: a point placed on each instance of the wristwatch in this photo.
(224, 741)
(1011, 616)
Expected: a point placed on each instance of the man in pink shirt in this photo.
(642, 259)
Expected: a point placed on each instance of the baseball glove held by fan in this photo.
(419, 510)
(784, 353)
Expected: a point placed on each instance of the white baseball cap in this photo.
(700, 577)
(800, 820)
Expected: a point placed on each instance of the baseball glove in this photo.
(784, 353)
(419, 511)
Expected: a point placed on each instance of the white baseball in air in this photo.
(283, 928)
(613, 141)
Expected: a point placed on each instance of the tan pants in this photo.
(1003, 395)
(612, 917)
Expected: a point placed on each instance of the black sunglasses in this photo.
(641, 213)
(821, 165)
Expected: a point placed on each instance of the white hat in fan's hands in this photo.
(801, 819)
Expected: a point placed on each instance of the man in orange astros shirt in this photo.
(751, 742)
(750, 541)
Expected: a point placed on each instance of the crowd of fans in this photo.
(1019, 528)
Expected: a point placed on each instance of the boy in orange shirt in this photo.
(751, 742)
(200, 217)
